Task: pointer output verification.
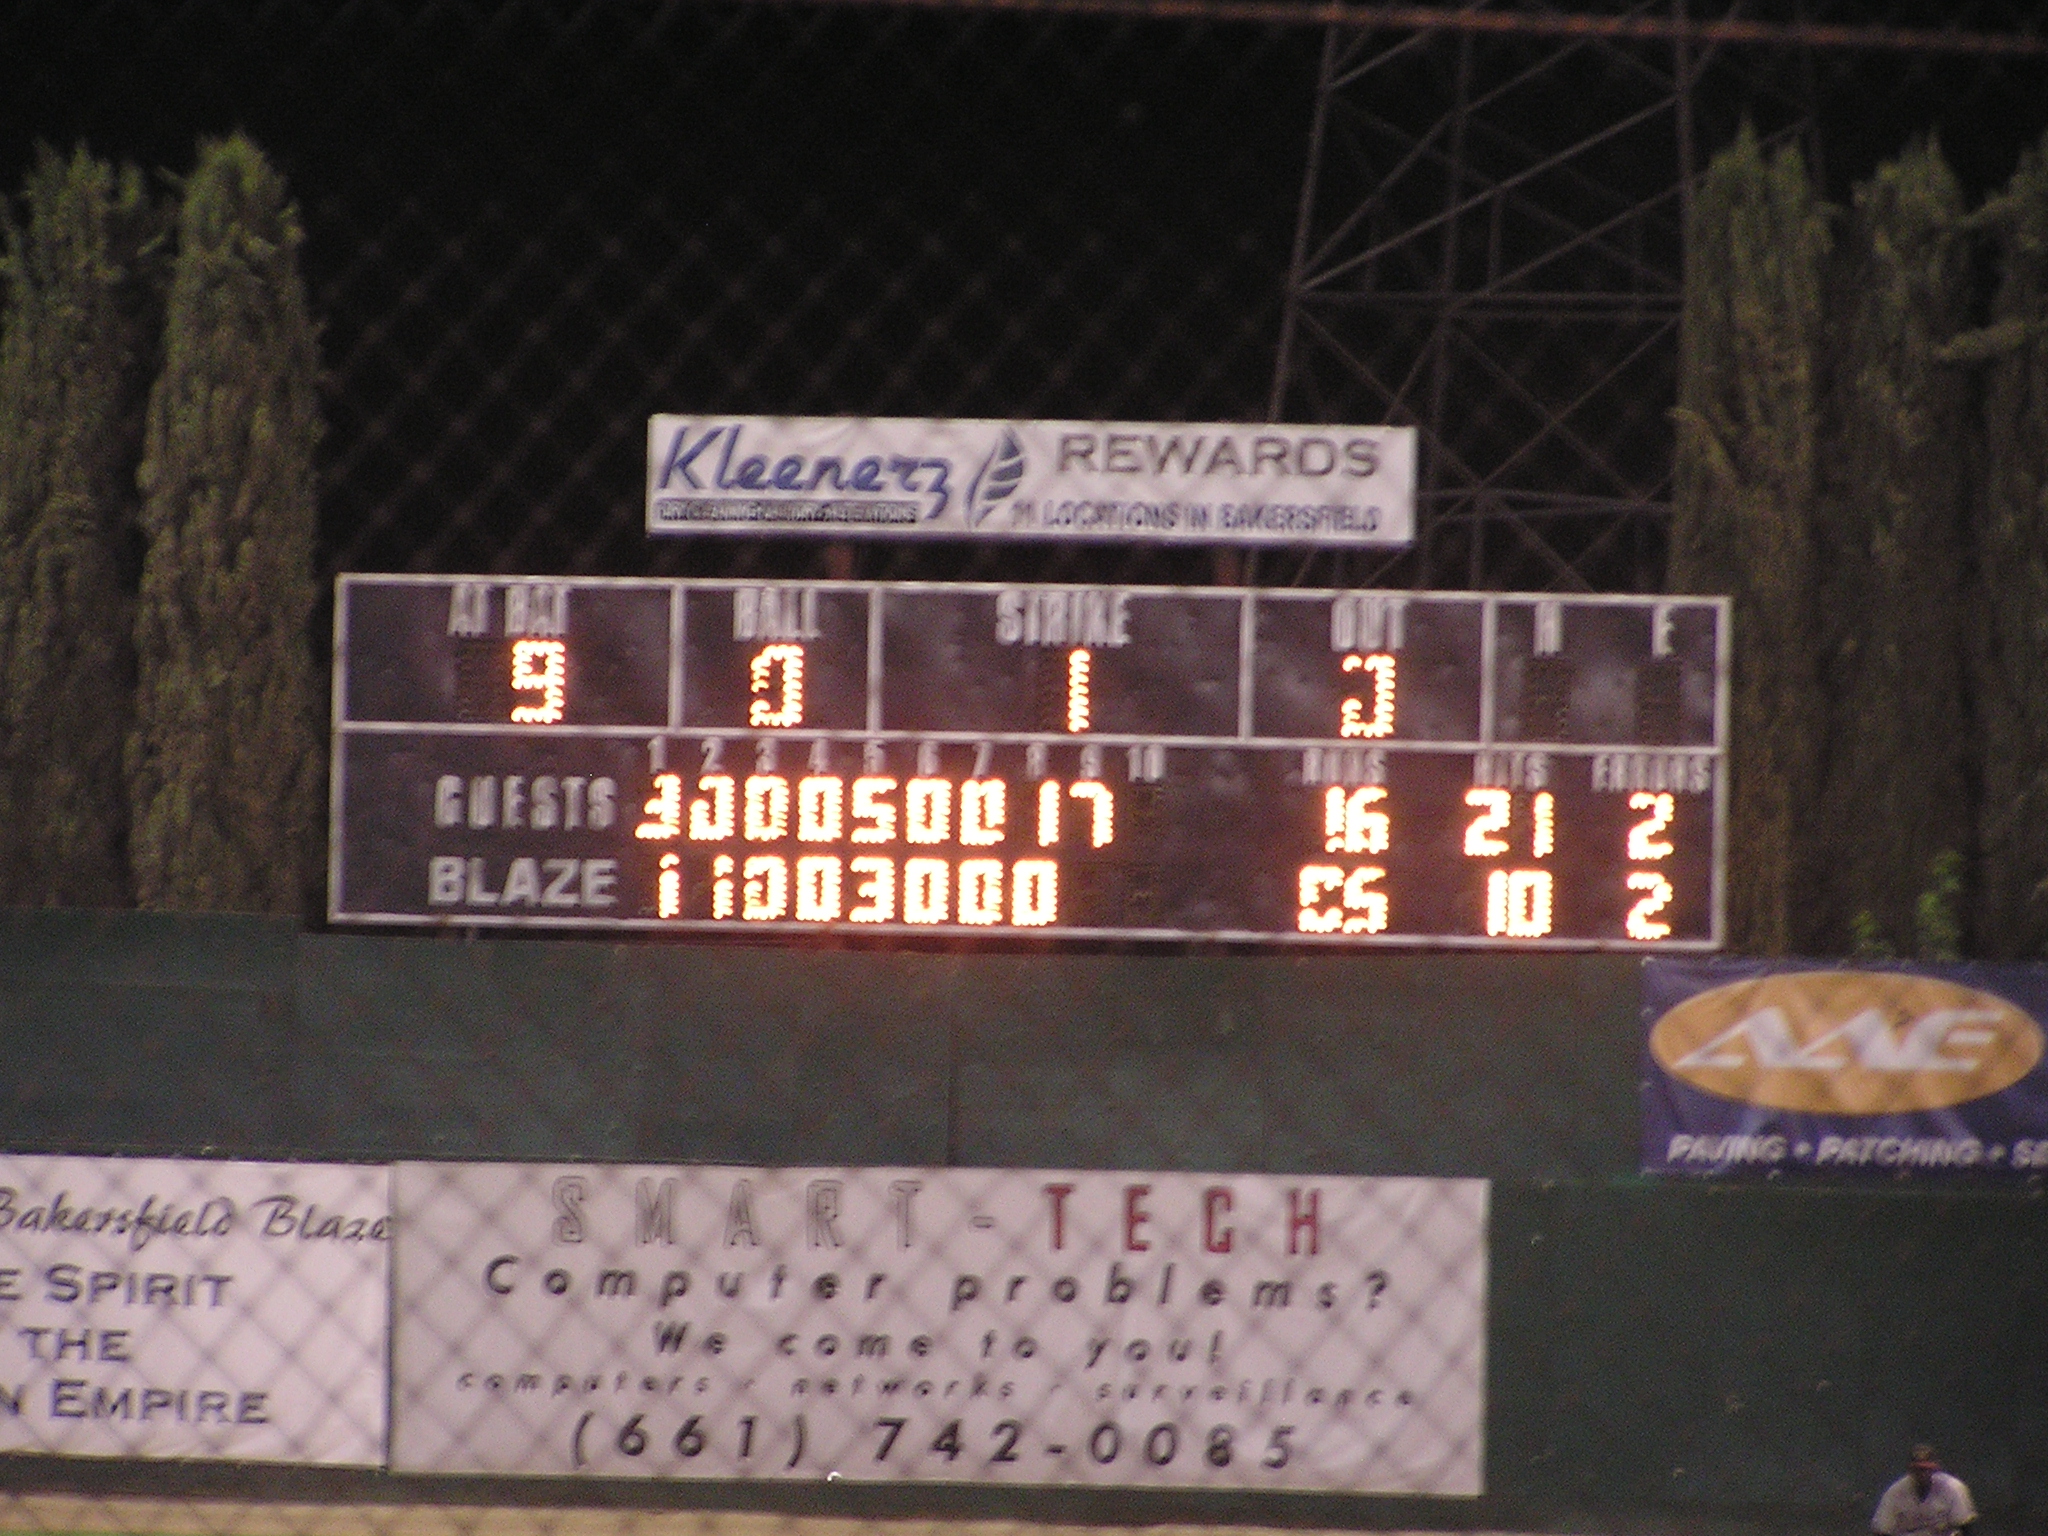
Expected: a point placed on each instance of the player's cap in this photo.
(1924, 1458)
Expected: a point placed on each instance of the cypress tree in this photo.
(1742, 517)
(1892, 557)
(81, 309)
(222, 764)
(2011, 611)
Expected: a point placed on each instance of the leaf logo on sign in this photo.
(1847, 1042)
(999, 475)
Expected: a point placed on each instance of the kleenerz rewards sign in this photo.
(1146, 481)
(157, 1308)
(957, 1325)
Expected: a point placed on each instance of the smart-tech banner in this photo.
(1926, 1072)
(950, 1325)
(870, 476)
(194, 1309)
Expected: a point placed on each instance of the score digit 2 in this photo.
(1645, 844)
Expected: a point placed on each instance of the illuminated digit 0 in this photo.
(766, 818)
(981, 892)
(1102, 811)
(983, 811)
(820, 808)
(926, 890)
(1544, 840)
(540, 666)
(1369, 905)
(1639, 923)
(927, 810)
(1078, 664)
(1034, 893)
(787, 707)
(1353, 720)
(764, 888)
(1479, 840)
(1518, 903)
(1314, 883)
(665, 810)
(1643, 842)
(712, 819)
(1349, 826)
(817, 888)
(668, 887)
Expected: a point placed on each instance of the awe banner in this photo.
(194, 1309)
(1213, 483)
(1762, 1068)
(945, 1325)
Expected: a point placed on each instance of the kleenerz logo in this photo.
(1000, 474)
(1847, 1042)
(714, 460)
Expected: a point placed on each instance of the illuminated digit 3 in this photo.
(1353, 720)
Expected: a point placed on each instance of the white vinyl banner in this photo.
(194, 1309)
(1214, 483)
(952, 1325)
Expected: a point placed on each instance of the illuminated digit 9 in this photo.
(773, 707)
(1353, 720)
(542, 667)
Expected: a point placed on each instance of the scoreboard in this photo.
(1089, 762)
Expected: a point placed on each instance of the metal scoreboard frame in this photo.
(916, 760)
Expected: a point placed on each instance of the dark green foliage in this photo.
(223, 767)
(2011, 619)
(1937, 915)
(1891, 552)
(1743, 512)
(81, 313)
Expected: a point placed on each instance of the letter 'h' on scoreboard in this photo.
(1297, 766)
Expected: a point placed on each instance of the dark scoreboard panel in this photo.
(1097, 762)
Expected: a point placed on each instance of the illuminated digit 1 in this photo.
(788, 707)
(668, 887)
(1479, 840)
(721, 886)
(1639, 924)
(1353, 721)
(1049, 813)
(1078, 663)
(1544, 839)
(1643, 842)
(666, 809)
(540, 666)
(1518, 903)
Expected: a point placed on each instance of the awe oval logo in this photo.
(1847, 1042)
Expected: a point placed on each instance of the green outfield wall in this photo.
(1660, 1355)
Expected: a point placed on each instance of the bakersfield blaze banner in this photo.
(1765, 1068)
(869, 476)
(942, 1324)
